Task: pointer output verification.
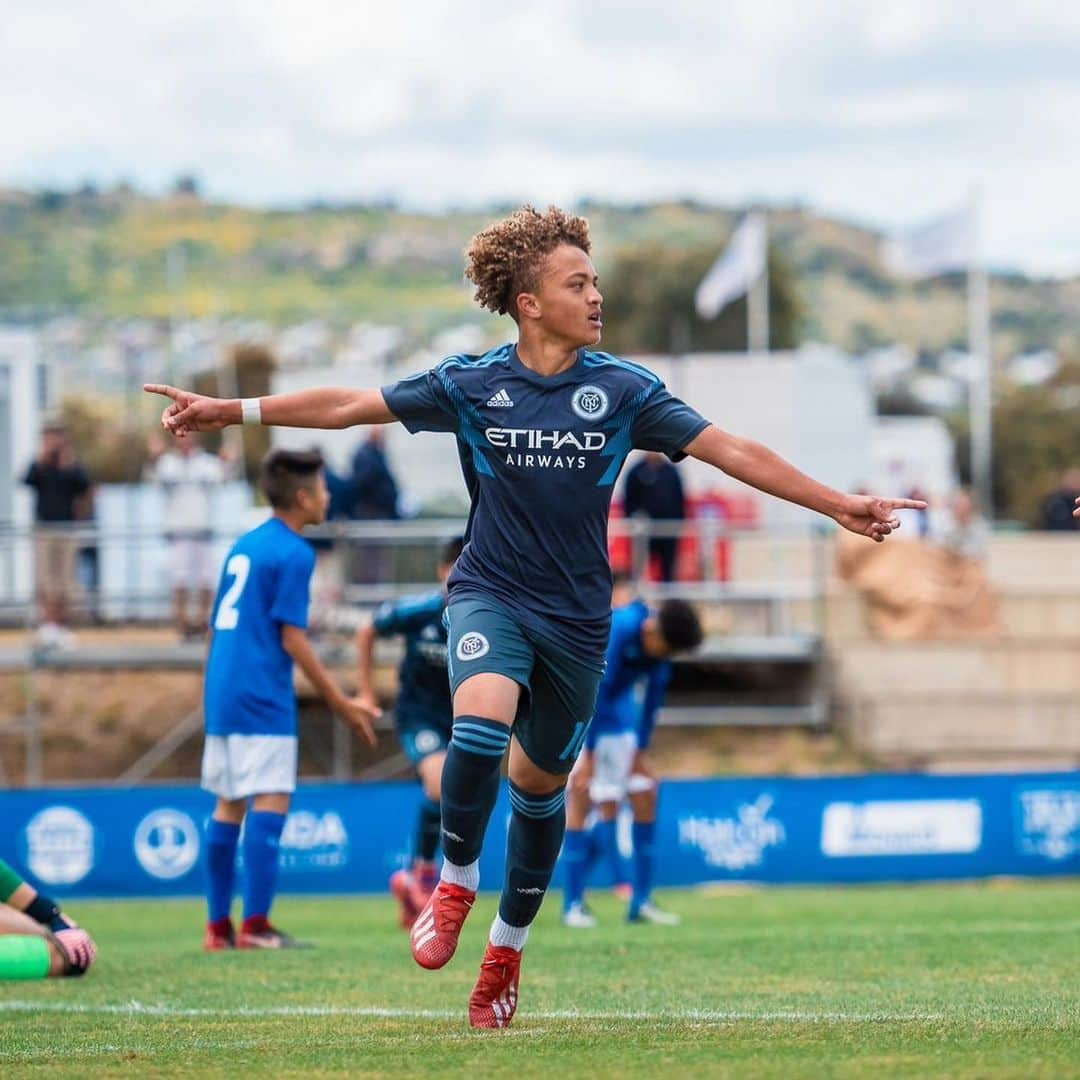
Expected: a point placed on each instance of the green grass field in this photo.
(969, 981)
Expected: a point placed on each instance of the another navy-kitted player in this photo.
(612, 765)
(542, 427)
(423, 716)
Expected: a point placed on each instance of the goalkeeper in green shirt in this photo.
(36, 938)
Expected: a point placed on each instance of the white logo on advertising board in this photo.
(734, 843)
(1050, 823)
(59, 845)
(915, 827)
(167, 844)
(314, 841)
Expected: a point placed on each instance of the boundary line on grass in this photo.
(688, 1016)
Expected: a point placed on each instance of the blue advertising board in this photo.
(349, 838)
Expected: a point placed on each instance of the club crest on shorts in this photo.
(426, 741)
(589, 402)
(472, 646)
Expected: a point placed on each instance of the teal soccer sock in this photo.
(532, 846)
(470, 785)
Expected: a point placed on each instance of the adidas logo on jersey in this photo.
(500, 400)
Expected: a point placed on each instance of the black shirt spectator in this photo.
(58, 488)
(376, 491)
(654, 489)
(1058, 506)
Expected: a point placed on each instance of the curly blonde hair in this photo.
(507, 258)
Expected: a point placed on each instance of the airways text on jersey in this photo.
(562, 449)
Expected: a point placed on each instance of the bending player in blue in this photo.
(612, 765)
(423, 716)
(543, 427)
(258, 630)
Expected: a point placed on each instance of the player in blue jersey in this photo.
(423, 716)
(543, 427)
(612, 765)
(258, 630)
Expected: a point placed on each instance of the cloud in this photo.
(885, 114)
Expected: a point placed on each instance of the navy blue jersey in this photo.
(423, 681)
(264, 586)
(633, 686)
(540, 457)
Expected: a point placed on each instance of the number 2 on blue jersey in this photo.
(239, 566)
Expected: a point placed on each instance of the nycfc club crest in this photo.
(589, 402)
(472, 646)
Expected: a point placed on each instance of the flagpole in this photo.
(757, 300)
(980, 395)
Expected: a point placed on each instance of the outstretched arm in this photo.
(759, 467)
(320, 407)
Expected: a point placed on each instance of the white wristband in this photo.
(251, 410)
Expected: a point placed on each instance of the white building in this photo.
(24, 398)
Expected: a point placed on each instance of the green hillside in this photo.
(107, 255)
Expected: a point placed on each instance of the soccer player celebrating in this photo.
(423, 716)
(613, 764)
(258, 630)
(36, 938)
(543, 427)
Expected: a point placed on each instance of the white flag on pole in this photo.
(946, 243)
(733, 274)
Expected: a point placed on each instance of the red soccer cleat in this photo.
(435, 933)
(257, 933)
(219, 936)
(403, 888)
(494, 997)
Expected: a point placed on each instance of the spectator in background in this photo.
(375, 494)
(189, 476)
(375, 489)
(60, 486)
(1057, 508)
(654, 490)
(967, 532)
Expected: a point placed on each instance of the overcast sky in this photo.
(883, 112)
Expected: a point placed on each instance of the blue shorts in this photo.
(422, 733)
(560, 686)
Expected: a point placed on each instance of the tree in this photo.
(246, 373)
(649, 304)
(1036, 438)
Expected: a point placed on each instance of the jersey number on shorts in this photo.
(239, 566)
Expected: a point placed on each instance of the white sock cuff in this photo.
(506, 936)
(465, 877)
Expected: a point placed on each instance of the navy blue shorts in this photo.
(422, 733)
(560, 689)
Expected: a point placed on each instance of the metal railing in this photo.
(762, 593)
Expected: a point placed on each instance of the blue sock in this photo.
(428, 827)
(470, 785)
(644, 858)
(221, 838)
(537, 823)
(607, 839)
(262, 836)
(574, 859)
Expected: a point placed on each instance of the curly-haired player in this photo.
(543, 427)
